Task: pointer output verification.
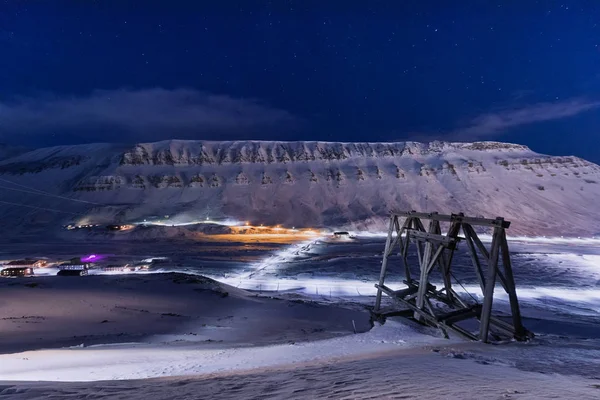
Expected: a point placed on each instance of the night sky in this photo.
(517, 71)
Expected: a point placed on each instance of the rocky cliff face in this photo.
(188, 153)
(309, 183)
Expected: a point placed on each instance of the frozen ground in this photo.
(558, 283)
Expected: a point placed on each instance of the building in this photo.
(17, 271)
(27, 262)
(341, 235)
(72, 272)
(125, 268)
(74, 267)
(117, 268)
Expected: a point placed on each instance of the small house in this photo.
(341, 235)
(72, 272)
(17, 271)
(27, 262)
(118, 268)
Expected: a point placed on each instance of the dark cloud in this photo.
(495, 123)
(142, 114)
(492, 125)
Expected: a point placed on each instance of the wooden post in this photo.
(477, 242)
(423, 280)
(511, 288)
(404, 246)
(490, 282)
(474, 258)
(446, 260)
(384, 262)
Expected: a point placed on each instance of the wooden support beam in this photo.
(474, 258)
(424, 265)
(435, 258)
(433, 238)
(456, 298)
(384, 262)
(490, 282)
(407, 224)
(398, 240)
(406, 292)
(520, 332)
(446, 261)
(477, 241)
(462, 314)
(419, 225)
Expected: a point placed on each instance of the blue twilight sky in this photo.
(86, 71)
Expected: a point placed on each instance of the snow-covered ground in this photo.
(291, 335)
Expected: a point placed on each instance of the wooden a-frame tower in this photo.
(444, 308)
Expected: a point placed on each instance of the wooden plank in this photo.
(459, 315)
(405, 292)
(463, 332)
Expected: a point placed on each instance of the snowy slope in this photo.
(301, 183)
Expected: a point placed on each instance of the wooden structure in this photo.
(444, 308)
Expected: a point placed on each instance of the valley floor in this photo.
(174, 335)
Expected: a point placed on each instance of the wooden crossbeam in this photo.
(462, 314)
(500, 222)
(433, 238)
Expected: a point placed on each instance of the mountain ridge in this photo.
(317, 184)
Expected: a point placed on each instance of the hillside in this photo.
(302, 184)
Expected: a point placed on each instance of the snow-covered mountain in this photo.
(324, 184)
(7, 151)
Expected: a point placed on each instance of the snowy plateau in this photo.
(302, 184)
